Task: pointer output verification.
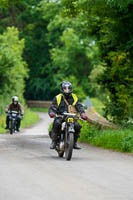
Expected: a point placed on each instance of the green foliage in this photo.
(119, 140)
(29, 119)
(122, 5)
(77, 88)
(76, 55)
(2, 123)
(127, 144)
(98, 105)
(26, 17)
(39, 109)
(88, 40)
(87, 133)
(7, 3)
(111, 22)
(56, 46)
(13, 70)
(95, 88)
(118, 79)
(42, 83)
(72, 57)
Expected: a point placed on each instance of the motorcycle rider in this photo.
(59, 106)
(14, 106)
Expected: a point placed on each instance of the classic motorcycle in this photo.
(13, 115)
(66, 138)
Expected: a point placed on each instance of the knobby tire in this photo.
(12, 127)
(69, 146)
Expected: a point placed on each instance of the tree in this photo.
(13, 70)
(111, 21)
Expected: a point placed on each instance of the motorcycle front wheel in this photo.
(69, 146)
(11, 127)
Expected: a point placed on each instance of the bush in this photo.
(120, 140)
(13, 70)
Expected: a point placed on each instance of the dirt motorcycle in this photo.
(66, 138)
(13, 115)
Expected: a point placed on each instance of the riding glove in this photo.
(52, 115)
(84, 116)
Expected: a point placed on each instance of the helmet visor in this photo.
(15, 102)
(67, 89)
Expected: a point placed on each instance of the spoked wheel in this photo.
(11, 127)
(69, 146)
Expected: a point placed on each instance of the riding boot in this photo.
(18, 124)
(7, 122)
(76, 145)
(53, 144)
(54, 138)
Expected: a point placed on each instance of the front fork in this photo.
(69, 130)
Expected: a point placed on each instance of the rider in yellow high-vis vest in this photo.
(60, 105)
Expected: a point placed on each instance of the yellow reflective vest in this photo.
(59, 96)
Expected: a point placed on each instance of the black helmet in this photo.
(66, 85)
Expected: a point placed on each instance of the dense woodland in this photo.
(88, 42)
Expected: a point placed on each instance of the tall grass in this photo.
(119, 140)
(30, 118)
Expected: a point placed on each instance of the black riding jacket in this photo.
(63, 107)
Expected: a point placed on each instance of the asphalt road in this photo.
(29, 170)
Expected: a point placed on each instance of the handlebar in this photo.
(69, 114)
(12, 112)
(15, 112)
(66, 114)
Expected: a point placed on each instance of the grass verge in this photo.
(118, 140)
(39, 109)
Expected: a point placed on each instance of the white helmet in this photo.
(14, 98)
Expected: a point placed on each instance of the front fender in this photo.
(71, 128)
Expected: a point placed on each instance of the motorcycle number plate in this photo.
(70, 120)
